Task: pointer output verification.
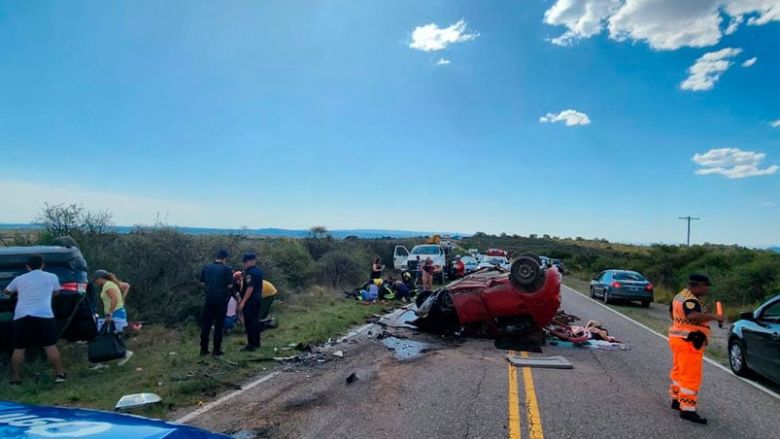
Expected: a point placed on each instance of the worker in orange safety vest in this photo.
(687, 339)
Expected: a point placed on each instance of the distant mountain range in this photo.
(272, 232)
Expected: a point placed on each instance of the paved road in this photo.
(467, 389)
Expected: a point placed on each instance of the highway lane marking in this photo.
(532, 406)
(712, 362)
(514, 402)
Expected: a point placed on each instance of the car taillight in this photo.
(615, 285)
(74, 287)
(649, 287)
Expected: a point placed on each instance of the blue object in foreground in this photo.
(27, 421)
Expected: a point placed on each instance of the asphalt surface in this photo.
(467, 389)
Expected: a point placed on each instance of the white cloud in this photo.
(706, 71)
(570, 117)
(582, 18)
(732, 163)
(761, 11)
(776, 124)
(668, 24)
(431, 38)
(442, 62)
(750, 62)
(662, 24)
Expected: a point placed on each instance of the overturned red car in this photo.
(493, 301)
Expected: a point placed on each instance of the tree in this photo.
(339, 267)
(60, 219)
(319, 232)
(318, 241)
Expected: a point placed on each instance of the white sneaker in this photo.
(128, 354)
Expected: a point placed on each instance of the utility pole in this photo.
(689, 219)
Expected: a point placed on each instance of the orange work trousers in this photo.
(686, 372)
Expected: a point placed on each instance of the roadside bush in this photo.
(340, 268)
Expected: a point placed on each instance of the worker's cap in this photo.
(249, 257)
(100, 274)
(221, 254)
(697, 278)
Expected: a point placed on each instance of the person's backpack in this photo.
(107, 345)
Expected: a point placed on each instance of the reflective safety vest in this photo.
(681, 326)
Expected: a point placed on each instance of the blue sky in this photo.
(299, 113)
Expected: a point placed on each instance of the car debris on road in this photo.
(556, 362)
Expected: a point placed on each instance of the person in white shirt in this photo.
(34, 323)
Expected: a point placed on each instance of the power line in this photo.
(689, 219)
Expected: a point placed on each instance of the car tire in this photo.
(592, 294)
(605, 296)
(737, 358)
(422, 297)
(645, 304)
(526, 273)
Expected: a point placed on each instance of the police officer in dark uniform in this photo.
(217, 278)
(251, 294)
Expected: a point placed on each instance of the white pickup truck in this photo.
(405, 260)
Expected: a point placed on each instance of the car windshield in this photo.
(426, 250)
(636, 277)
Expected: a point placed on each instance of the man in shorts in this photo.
(34, 323)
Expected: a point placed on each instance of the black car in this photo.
(74, 306)
(614, 285)
(559, 265)
(754, 342)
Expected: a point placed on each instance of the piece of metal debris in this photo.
(136, 400)
(352, 378)
(556, 362)
(339, 354)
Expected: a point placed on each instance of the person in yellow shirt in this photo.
(113, 293)
(269, 294)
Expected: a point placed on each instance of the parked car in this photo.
(22, 421)
(74, 306)
(470, 262)
(403, 259)
(493, 302)
(613, 285)
(559, 265)
(493, 261)
(754, 341)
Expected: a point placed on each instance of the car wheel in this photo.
(592, 294)
(645, 304)
(606, 297)
(737, 358)
(526, 273)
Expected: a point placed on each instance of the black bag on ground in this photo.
(107, 345)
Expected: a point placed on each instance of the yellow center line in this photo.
(514, 403)
(534, 419)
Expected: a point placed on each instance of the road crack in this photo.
(477, 392)
(606, 372)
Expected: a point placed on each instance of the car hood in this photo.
(27, 421)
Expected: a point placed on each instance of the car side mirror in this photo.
(747, 316)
